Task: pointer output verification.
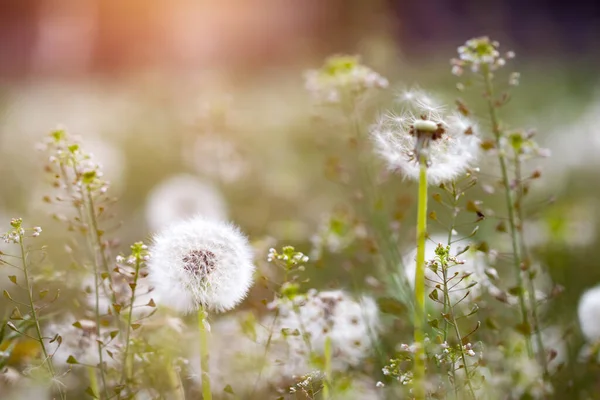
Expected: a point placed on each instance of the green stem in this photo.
(509, 203)
(328, 377)
(34, 316)
(531, 289)
(127, 364)
(204, 366)
(175, 382)
(93, 380)
(419, 316)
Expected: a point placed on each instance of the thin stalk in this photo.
(93, 380)
(328, 377)
(38, 330)
(175, 382)
(509, 202)
(204, 366)
(462, 354)
(531, 284)
(419, 311)
(444, 271)
(127, 365)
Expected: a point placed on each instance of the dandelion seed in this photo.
(200, 263)
(180, 197)
(448, 141)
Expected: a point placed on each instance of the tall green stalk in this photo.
(419, 311)
(34, 316)
(127, 363)
(487, 76)
(531, 285)
(204, 354)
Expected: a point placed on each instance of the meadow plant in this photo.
(383, 308)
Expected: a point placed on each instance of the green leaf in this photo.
(135, 326)
(13, 279)
(16, 314)
(72, 360)
(228, 389)
(7, 295)
(433, 295)
(523, 328)
(89, 391)
(43, 293)
(515, 290)
(113, 334)
(390, 305)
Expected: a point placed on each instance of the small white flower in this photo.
(351, 326)
(201, 262)
(180, 197)
(588, 312)
(448, 141)
(340, 77)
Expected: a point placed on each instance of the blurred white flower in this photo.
(217, 158)
(448, 141)
(351, 326)
(588, 312)
(237, 350)
(341, 77)
(79, 340)
(555, 346)
(180, 197)
(572, 225)
(200, 262)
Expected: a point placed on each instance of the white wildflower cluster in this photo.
(446, 140)
(200, 263)
(216, 157)
(306, 321)
(342, 77)
(336, 233)
(16, 234)
(297, 257)
(180, 197)
(309, 383)
(477, 52)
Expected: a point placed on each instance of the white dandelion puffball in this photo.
(183, 196)
(474, 270)
(200, 263)
(451, 146)
(351, 326)
(588, 312)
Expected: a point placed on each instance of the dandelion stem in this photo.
(487, 75)
(328, 377)
(205, 376)
(419, 316)
(34, 316)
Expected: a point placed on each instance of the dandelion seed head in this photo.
(451, 143)
(200, 262)
(180, 197)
